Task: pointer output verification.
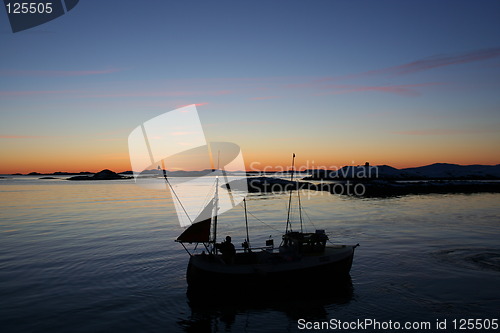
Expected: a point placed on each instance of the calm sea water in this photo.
(100, 256)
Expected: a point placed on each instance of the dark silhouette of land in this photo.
(367, 180)
(101, 175)
(436, 171)
(369, 187)
(364, 180)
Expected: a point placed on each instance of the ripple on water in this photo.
(472, 258)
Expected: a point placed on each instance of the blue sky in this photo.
(404, 83)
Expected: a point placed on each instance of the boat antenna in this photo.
(290, 199)
(216, 205)
(246, 221)
(173, 191)
(300, 208)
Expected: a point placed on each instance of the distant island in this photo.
(101, 175)
(105, 174)
(57, 173)
(362, 180)
(436, 171)
(367, 180)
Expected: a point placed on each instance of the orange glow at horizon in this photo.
(251, 165)
(48, 157)
(253, 162)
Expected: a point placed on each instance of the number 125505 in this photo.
(29, 7)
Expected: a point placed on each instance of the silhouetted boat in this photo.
(301, 257)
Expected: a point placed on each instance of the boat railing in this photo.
(256, 249)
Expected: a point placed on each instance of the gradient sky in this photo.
(403, 83)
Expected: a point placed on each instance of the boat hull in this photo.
(271, 270)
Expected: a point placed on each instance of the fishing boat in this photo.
(300, 257)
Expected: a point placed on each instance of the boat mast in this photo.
(290, 199)
(216, 206)
(173, 191)
(246, 221)
(216, 210)
(300, 208)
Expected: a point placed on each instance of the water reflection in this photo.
(473, 258)
(216, 310)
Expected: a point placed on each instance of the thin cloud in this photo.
(164, 93)
(412, 67)
(441, 61)
(402, 89)
(22, 137)
(301, 85)
(442, 132)
(263, 98)
(425, 64)
(196, 104)
(57, 73)
(34, 92)
(126, 94)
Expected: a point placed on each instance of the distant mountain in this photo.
(454, 171)
(64, 173)
(57, 173)
(433, 171)
(436, 171)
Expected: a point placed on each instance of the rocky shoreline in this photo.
(369, 188)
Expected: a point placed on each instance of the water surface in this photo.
(100, 256)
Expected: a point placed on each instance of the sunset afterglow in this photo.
(332, 83)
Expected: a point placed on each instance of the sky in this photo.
(402, 83)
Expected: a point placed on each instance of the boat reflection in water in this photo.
(222, 309)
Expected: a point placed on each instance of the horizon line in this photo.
(274, 169)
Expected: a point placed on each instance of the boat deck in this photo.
(271, 267)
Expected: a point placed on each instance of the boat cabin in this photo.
(304, 242)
